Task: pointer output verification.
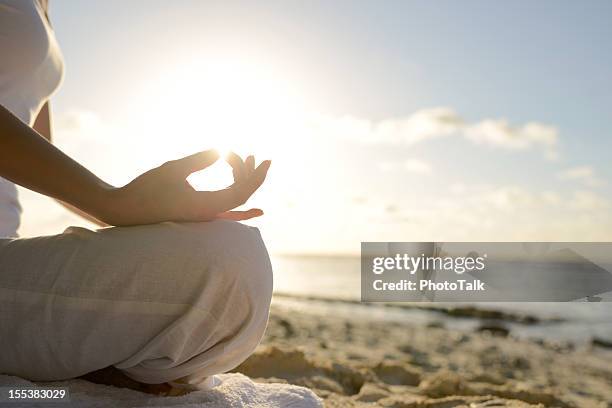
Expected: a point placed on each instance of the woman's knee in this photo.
(236, 254)
(245, 258)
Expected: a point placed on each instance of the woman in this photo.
(176, 292)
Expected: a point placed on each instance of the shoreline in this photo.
(449, 309)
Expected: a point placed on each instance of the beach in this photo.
(361, 360)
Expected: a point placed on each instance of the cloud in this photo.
(499, 133)
(422, 125)
(583, 174)
(437, 122)
(414, 166)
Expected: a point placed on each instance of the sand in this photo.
(368, 363)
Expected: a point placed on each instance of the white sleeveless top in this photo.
(31, 69)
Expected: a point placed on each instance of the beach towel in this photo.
(235, 390)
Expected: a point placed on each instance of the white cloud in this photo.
(415, 166)
(499, 133)
(583, 174)
(421, 125)
(427, 124)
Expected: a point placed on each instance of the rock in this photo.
(288, 327)
(494, 329)
(599, 342)
(471, 311)
(436, 324)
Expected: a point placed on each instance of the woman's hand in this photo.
(163, 193)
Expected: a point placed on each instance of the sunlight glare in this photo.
(227, 104)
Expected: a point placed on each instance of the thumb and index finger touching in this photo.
(239, 192)
(201, 160)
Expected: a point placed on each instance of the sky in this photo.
(385, 121)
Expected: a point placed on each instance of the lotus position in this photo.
(173, 291)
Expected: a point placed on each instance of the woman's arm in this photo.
(161, 194)
(42, 125)
(29, 160)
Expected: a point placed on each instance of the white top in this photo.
(31, 69)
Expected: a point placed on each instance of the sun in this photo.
(228, 103)
(225, 103)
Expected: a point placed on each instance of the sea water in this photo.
(337, 277)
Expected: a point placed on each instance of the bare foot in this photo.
(113, 376)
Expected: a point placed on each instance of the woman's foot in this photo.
(115, 377)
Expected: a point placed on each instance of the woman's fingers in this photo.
(238, 166)
(192, 163)
(249, 186)
(235, 195)
(249, 163)
(240, 215)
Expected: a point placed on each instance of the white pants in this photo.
(160, 302)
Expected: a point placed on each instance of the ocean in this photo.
(324, 278)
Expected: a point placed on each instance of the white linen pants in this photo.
(160, 302)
